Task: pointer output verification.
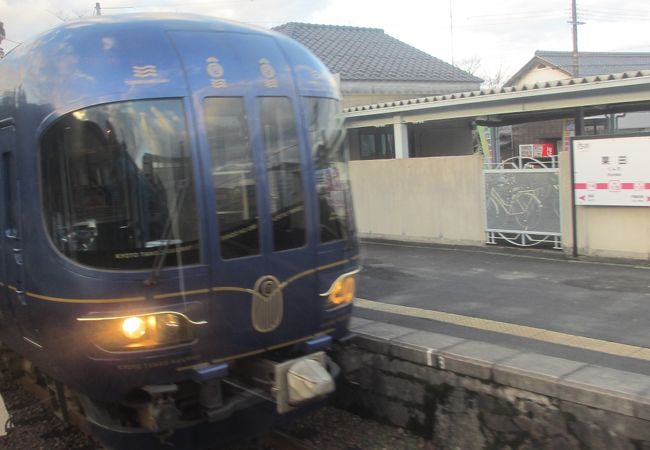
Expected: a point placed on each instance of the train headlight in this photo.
(134, 327)
(123, 333)
(342, 290)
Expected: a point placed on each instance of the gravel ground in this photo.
(334, 429)
(34, 427)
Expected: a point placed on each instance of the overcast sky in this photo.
(503, 34)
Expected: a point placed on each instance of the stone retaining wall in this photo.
(471, 395)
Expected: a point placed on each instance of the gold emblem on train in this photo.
(268, 304)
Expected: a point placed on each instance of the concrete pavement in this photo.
(590, 312)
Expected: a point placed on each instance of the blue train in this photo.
(178, 246)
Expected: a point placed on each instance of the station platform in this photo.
(587, 312)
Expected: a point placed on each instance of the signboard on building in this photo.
(568, 131)
(612, 171)
(536, 150)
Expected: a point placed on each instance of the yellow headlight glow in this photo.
(342, 290)
(153, 330)
(134, 327)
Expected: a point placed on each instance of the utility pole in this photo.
(98, 9)
(574, 24)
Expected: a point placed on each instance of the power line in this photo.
(613, 15)
(523, 14)
(609, 10)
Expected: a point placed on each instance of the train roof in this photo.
(118, 57)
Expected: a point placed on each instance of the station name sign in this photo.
(612, 171)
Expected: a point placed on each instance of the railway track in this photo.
(36, 427)
(279, 440)
(40, 396)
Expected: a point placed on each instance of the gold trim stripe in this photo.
(334, 264)
(298, 276)
(234, 289)
(538, 334)
(85, 300)
(157, 313)
(340, 277)
(182, 293)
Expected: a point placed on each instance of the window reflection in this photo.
(286, 198)
(118, 188)
(233, 176)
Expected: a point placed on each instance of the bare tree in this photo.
(474, 66)
(495, 79)
(470, 65)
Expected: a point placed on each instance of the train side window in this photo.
(330, 156)
(118, 188)
(8, 213)
(233, 176)
(284, 173)
(8, 190)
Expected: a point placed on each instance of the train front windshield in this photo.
(118, 188)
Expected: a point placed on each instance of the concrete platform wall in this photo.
(464, 394)
(436, 199)
(441, 200)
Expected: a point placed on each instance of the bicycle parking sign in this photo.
(612, 171)
(522, 201)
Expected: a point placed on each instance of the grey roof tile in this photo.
(503, 90)
(370, 54)
(597, 63)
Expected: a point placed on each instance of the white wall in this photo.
(421, 199)
(543, 75)
(441, 200)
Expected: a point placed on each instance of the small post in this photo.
(98, 9)
(579, 131)
(400, 131)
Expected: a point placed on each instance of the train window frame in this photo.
(293, 123)
(163, 174)
(241, 122)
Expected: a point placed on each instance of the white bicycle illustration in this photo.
(524, 207)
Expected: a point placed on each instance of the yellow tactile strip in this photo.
(539, 334)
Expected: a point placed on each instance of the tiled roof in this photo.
(370, 54)
(597, 63)
(581, 81)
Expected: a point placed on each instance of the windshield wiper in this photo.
(159, 260)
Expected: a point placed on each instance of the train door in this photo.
(258, 203)
(15, 302)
